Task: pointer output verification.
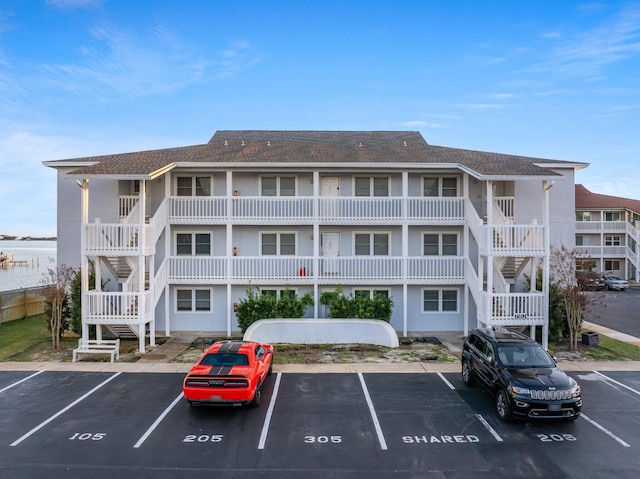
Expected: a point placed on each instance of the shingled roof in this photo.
(585, 199)
(313, 147)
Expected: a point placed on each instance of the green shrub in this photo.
(258, 306)
(363, 307)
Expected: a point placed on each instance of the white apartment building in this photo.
(608, 231)
(179, 234)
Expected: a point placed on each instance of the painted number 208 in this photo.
(556, 437)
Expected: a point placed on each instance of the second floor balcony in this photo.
(308, 270)
(308, 210)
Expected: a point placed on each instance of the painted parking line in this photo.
(605, 430)
(607, 378)
(488, 427)
(372, 411)
(267, 419)
(447, 382)
(21, 381)
(61, 412)
(157, 421)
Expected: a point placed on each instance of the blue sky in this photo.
(549, 79)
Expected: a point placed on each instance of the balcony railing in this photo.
(512, 309)
(307, 210)
(307, 270)
(118, 308)
(605, 251)
(517, 240)
(601, 226)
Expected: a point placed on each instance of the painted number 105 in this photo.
(86, 436)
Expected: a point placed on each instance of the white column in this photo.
(405, 253)
(84, 261)
(316, 243)
(489, 226)
(465, 253)
(142, 239)
(229, 252)
(167, 254)
(546, 186)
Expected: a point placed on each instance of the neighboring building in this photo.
(608, 231)
(181, 233)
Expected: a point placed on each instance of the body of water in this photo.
(41, 256)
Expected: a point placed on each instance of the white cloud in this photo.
(587, 53)
(419, 124)
(73, 4)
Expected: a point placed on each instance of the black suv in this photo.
(524, 379)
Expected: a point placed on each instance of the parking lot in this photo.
(377, 425)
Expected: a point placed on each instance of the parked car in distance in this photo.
(613, 282)
(590, 280)
(229, 372)
(524, 380)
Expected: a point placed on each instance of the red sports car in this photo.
(229, 372)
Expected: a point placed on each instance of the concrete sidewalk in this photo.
(160, 360)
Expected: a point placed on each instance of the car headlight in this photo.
(519, 390)
(575, 391)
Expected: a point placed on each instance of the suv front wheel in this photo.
(503, 407)
(467, 378)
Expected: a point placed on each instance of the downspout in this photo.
(489, 306)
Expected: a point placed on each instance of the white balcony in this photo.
(512, 309)
(118, 308)
(601, 226)
(308, 270)
(308, 210)
(115, 239)
(603, 251)
(517, 240)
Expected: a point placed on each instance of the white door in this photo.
(330, 186)
(329, 197)
(330, 251)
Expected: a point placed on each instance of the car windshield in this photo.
(524, 356)
(225, 359)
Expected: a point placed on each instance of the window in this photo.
(193, 299)
(370, 293)
(440, 244)
(278, 186)
(612, 240)
(440, 187)
(612, 216)
(371, 244)
(193, 244)
(370, 186)
(611, 265)
(194, 186)
(279, 293)
(583, 216)
(440, 300)
(278, 244)
(583, 240)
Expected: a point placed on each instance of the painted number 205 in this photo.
(322, 439)
(556, 437)
(203, 438)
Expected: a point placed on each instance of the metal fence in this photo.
(21, 303)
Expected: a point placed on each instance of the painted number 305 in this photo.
(323, 439)
(556, 437)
